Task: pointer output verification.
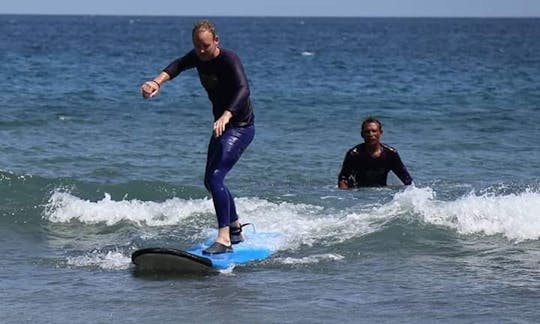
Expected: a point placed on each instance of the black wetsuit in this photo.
(360, 169)
(225, 82)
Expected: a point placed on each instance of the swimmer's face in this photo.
(371, 133)
(206, 45)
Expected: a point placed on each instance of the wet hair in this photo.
(371, 120)
(204, 25)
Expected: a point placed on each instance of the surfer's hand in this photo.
(149, 89)
(219, 125)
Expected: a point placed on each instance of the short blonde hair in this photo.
(204, 25)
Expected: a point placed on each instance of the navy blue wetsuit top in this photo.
(360, 169)
(225, 82)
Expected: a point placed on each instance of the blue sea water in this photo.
(90, 172)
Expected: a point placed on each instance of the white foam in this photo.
(297, 224)
(64, 207)
(111, 260)
(516, 216)
(316, 258)
(294, 225)
(8, 175)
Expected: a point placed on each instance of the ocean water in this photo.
(90, 172)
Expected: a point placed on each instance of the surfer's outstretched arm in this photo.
(151, 88)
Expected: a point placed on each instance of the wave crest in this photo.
(513, 215)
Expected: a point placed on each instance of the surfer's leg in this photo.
(223, 153)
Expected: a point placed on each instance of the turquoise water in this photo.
(89, 172)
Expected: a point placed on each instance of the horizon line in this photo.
(268, 16)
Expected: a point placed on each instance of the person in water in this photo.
(222, 75)
(367, 164)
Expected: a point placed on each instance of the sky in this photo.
(302, 8)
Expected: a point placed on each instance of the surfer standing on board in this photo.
(368, 164)
(222, 75)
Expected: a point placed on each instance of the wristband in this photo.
(158, 85)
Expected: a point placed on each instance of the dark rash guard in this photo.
(225, 82)
(360, 169)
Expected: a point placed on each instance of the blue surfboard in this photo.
(193, 261)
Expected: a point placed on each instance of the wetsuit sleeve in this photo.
(241, 87)
(346, 168)
(180, 64)
(400, 170)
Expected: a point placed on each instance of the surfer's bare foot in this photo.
(223, 236)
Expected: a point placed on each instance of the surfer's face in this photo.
(371, 133)
(206, 45)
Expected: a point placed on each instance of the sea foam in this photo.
(64, 207)
(515, 216)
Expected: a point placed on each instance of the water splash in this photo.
(111, 260)
(312, 259)
(511, 215)
(516, 216)
(64, 207)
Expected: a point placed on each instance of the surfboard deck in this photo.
(193, 261)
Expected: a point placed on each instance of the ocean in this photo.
(91, 172)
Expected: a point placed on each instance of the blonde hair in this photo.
(204, 25)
